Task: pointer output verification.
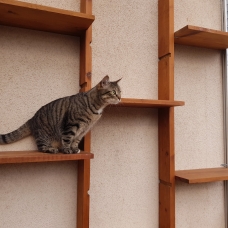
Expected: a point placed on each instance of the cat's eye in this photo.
(113, 92)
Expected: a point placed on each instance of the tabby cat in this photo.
(61, 124)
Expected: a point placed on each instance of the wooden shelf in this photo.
(194, 176)
(144, 103)
(201, 37)
(43, 18)
(12, 157)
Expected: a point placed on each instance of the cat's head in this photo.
(108, 91)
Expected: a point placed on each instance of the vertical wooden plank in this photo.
(83, 197)
(82, 194)
(167, 213)
(86, 60)
(166, 119)
(165, 27)
(166, 145)
(86, 50)
(166, 115)
(86, 6)
(166, 78)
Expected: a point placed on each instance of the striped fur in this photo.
(61, 124)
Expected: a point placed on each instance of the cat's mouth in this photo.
(119, 98)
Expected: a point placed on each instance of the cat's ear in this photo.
(118, 80)
(104, 83)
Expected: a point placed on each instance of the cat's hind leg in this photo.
(70, 140)
(46, 147)
(67, 139)
(44, 143)
(70, 145)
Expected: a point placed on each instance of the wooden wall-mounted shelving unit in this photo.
(196, 176)
(43, 18)
(48, 19)
(193, 36)
(146, 103)
(201, 37)
(14, 157)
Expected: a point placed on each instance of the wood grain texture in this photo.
(86, 51)
(166, 145)
(166, 206)
(165, 27)
(166, 115)
(194, 176)
(166, 78)
(12, 157)
(147, 103)
(83, 198)
(202, 37)
(43, 18)
(86, 60)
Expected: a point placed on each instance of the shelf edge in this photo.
(201, 37)
(197, 176)
(43, 18)
(13, 157)
(148, 103)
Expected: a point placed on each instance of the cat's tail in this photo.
(16, 135)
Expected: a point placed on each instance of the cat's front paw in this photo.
(53, 150)
(76, 150)
(67, 151)
(50, 150)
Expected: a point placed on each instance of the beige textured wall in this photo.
(35, 68)
(124, 176)
(199, 124)
(38, 67)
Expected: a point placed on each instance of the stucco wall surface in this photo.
(38, 67)
(35, 68)
(199, 124)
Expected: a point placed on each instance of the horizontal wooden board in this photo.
(146, 103)
(11, 157)
(194, 176)
(201, 37)
(43, 18)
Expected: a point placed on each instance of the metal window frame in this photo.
(225, 103)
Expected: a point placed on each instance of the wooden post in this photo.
(166, 115)
(86, 50)
(85, 83)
